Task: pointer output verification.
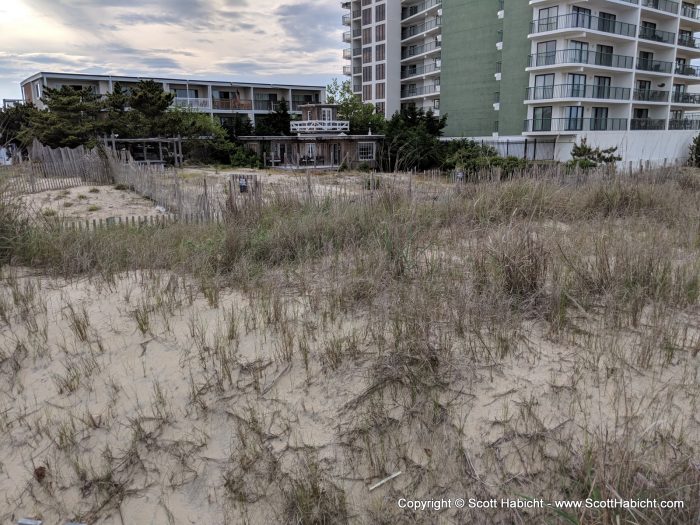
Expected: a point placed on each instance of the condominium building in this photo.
(395, 52)
(619, 72)
(221, 100)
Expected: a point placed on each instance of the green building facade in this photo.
(481, 38)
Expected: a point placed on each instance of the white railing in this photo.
(195, 103)
(320, 126)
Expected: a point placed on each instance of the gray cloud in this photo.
(292, 41)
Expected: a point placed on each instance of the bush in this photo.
(584, 156)
(242, 157)
(694, 157)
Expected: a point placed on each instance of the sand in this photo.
(181, 415)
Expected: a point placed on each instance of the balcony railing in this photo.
(577, 91)
(227, 104)
(320, 126)
(577, 20)
(347, 53)
(662, 5)
(347, 20)
(658, 66)
(419, 70)
(647, 124)
(684, 123)
(412, 51)
(194, 103)
(651, 95)
(688, 71)
(665, 37)
(545, 125)
(347, 70)
(685, 98)
(578, 56)
(688, 41)
(689, 11)
(419, 91)
(347, 37)
(408, 32)
(408, 12)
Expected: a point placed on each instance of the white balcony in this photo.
(320, 126)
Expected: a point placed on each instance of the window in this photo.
(646, 60)
(367, 93)
(367, 74)
(576, 85)
(366, 2)
(599, 120)
(366, 36)
(366, 16)
(544, 87)
(574, 118)
(578, 52)
(365, 151)
(606, 22)
(310, 149)
(546, 53)
(380, 33)
(379, 90)
(381, 52)
(542, 118)
(366, 55)
(547, 20)
(380, 108)
(326, 114)
(380, 13)
(604, 55)
(380, 72)
(602, 87)
(581, 17)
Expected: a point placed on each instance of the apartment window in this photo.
(367, 92)
(365, 151)
(380, 108)
(380, 52)
(599, 119)
(380, 13)
(544, 87)
(366, 36)
(574, 118)
(380, 33)
(542, 118)
(366, 55)
(366, 2)
(646, 60)
(380, 72)
(546, 53)
(186, 93)
(581, 16)
(576, 85)
(379, 91)
(578, 52)
(310, 149)
(606, 22)
(436, 103)
(602, 87)
(366, 16)
(547, 20)
(367, 74)
(604, 55)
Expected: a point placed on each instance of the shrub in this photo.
(584, 156)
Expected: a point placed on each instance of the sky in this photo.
(285, 41)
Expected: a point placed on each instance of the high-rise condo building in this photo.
(618, 72)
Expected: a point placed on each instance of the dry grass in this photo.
(534, 338)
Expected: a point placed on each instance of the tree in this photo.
(695, 152)
(276, 123)
(362, 117)
(412, 140)
(12, 120)
(149, 99)
(70, 120)
(238, 126)
(120, 120)
(584, 156)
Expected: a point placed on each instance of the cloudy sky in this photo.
(292, 41)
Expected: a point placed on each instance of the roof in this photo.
(126, 78)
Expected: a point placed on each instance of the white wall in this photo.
(656, 147)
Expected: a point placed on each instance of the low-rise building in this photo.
(321, 141)
(221, 100)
